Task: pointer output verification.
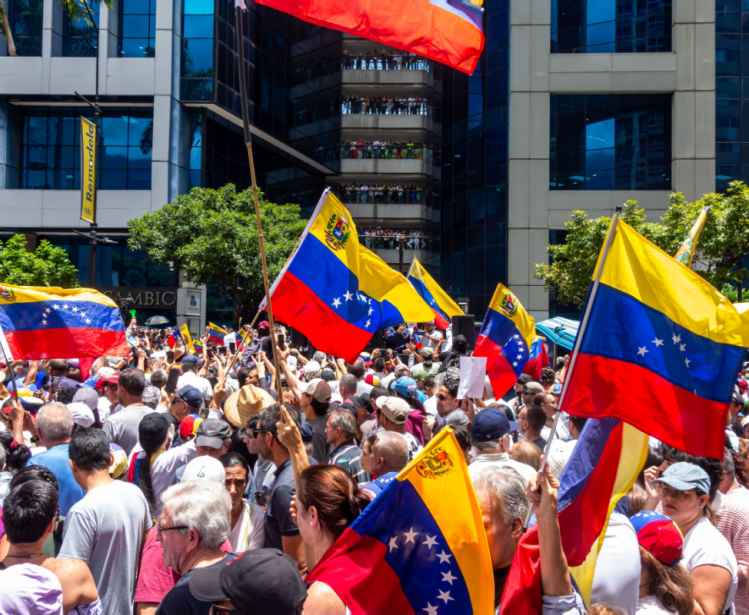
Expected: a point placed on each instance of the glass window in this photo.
(607, 142)
(25, 19)
(51, 148)
(605, 26)
(79, 36)
(137, 29)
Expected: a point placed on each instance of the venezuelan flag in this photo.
(449, 31)
(419, 546)
(49, 323)
(185, 335)
(173, 338)
(661, 350)
(442, 305)
(197, 345)
(338, 293)
(603, 467)
(537, 359)
(216, 333)
(506, 339)
(685, 253)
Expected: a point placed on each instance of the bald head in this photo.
(389, 453)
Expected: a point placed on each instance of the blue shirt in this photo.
(57, 459)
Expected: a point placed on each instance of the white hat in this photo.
(204, 468)
(82, 414)
(106, 372)
(312, 366)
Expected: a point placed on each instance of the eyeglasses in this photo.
(441, 397)
(111, 387)
(526, 392)
(670, 492)
(161, 530)
(255, 432)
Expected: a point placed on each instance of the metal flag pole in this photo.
(248, 143)
(586, 316)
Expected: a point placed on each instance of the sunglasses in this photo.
(670, 492)
(441, 397)
(111, 387)
(255, 432)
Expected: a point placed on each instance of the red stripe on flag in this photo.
(354, 565)
(439, 320)
(601, 387)
(66, 343)
(534, 367)
(297, 306)
(580, 524)
(417, 25)
(501, 374)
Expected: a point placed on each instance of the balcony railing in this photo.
(386, 61)
(394, 195)
(382, 150)
(387, 105)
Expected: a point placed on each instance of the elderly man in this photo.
(54, 424)
(388, 457)
(195, 522)
(491, 436)
(340, 432)
(501, 498)
(392, 414)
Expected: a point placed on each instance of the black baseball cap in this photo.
(524, 379)
(153, 428)
(258, 582)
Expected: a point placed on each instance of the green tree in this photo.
(721, 248)
(212, 236)
(46, 266)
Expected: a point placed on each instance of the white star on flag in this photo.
(65, 306)
(44, 322)
(348, 296)
(688, 362)
(658, 342)
(393, 544)
(520, 356)
(47, 311)
(642, 350)
(445, 596)
(57, 307)
(431, 541)
(431, 610)
(515, 364)
(447, 577)
(75, 309)
(444, 557)
(88, 321)
(683, 347)
(410, 535)
(368, 323)
(676, 338)
(370, 311)
(336, 302)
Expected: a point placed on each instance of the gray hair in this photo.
(729, 467)
(55, 421)
(203, 505)
(231, 385)
(319, 356)
(482, 446)
(151, 397)
(504, 486)
(393, 448)
(346, 421)
(349, 382)
(2, 458)
(159, 378)
(311, 375)
(402, 370)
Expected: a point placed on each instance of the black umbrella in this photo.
(157, 320)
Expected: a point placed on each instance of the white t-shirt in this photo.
(652, 606)
(249, 532)
(414, 446)
(430, 406)
(617, 576)
(704, 545)
(193, 380)
(105, 530)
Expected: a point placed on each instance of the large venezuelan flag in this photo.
(53, 323)
(442, 305)
(449, 31)
(338, 293)
(661, 349)
(420, 546)
(603, 467)
(506, 338)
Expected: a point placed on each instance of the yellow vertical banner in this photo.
(186, 337)
(88, 170)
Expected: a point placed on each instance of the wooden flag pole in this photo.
(248, 143)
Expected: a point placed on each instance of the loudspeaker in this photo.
(465, 325)
(297, 339)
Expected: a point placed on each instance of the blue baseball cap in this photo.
(556, 389)
(191, 358)
(404, 385)
(307, 432)
(685, 476)
(491, 424)
(191, 396)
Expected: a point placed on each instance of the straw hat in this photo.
(245, 403)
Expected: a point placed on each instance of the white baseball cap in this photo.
(205, 468)
(81, 413)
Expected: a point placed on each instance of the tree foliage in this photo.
(46, 266)
(212, 236)
(719, 257)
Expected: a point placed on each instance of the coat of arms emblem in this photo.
(7, 294)
(509, 305)
(435, 464)
(337, 232)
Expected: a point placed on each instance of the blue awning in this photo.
(562, 331)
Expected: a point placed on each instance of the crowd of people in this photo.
(173, 481)
(386, 105)
(388, 239)
(379, 194)
(385, 60)
(381, 149)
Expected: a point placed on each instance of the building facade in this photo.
(573, 105)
